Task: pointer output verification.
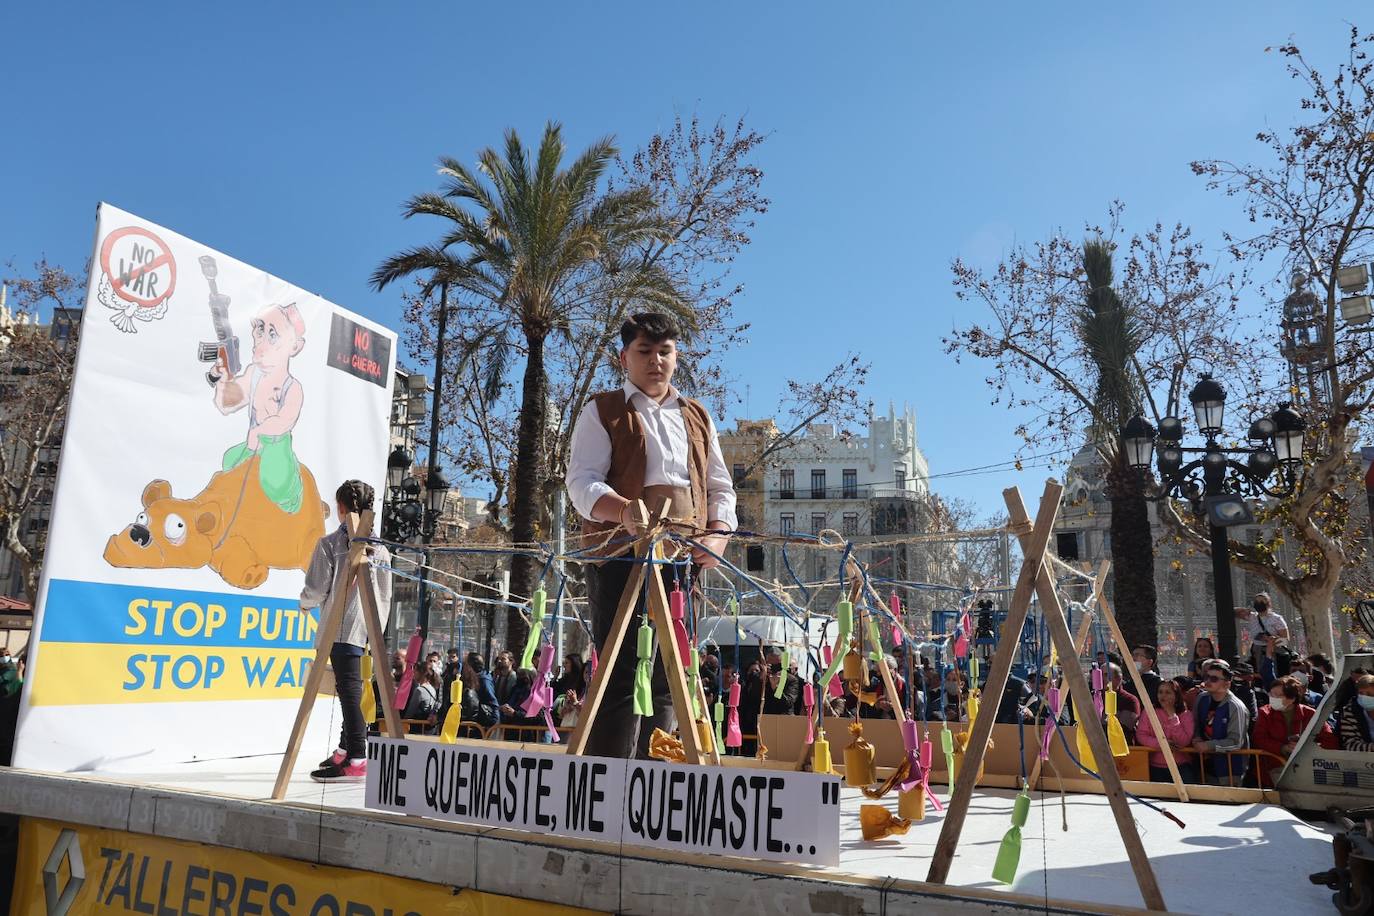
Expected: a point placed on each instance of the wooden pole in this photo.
(673, 667)
(1128, 660)
(1033, 549)
(376, 639)
(615, 639)
(1083, 701)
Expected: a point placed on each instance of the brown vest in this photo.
(625, 427)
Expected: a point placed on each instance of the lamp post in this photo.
(1216, 483)
(404, 512)
(413, 510)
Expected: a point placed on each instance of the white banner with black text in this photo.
(777, 815)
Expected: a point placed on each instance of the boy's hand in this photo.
(715, 543)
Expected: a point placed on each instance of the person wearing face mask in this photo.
(1302, 673)
(1259, 622)
(1281, 723)
(1357, 718)
(11, 675)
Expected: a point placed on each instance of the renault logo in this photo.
(68, 846)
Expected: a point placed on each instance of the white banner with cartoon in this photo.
(215, 409)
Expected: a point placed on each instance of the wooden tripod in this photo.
(350, 574)
(1037, 577)
(698, 741)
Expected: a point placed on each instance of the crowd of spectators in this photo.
(1264, 701)
(490, 696)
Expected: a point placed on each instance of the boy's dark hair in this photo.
(355, 496)
(1150, 652)
(654, 327)
(475, 662)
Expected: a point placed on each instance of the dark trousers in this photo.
(1187, 771)
(348, 686)
(617, 731)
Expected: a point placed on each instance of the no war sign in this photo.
(777, 815)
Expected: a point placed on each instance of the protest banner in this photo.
(777, 815)
(214, 410)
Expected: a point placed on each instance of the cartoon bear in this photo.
(232, 526)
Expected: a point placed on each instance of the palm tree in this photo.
(533, 249)
(1110, 334)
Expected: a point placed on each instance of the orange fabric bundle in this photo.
(878, 822)
(663, 746)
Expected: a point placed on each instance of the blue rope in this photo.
(806, 593)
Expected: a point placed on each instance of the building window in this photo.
(737, 473)
(851, 524)
(901, 478)
(1068, 545)
(787, 523)
(817, 522)
(818, 484)
(849, 479)
(787, 483)
(753, 558)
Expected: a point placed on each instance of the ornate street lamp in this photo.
(1209, 405)
(397, 466)
(1215, 484)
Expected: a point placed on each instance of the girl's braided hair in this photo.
(355, 496)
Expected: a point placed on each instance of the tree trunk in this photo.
(1133, 556)
(29, 565)
(529, 479)
(1313, 600)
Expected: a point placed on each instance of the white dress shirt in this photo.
(665, 460)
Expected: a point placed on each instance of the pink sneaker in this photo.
(336, 759)
(344, 772)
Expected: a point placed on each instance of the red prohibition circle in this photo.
(117, 283)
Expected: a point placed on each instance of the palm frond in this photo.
(424, 259)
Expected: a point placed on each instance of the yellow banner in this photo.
(70, 869)
(153, 674)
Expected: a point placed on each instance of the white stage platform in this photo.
(1231, 859)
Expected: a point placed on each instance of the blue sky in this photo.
(901, 135)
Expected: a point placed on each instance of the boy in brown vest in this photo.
(642, 441)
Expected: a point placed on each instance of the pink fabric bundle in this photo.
(927, 753)
(833, 688)
(809, 701)
(413, 650)
(1051, 723)
(541, 693)
(733, 738)
(677, 610)
(912, 746)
